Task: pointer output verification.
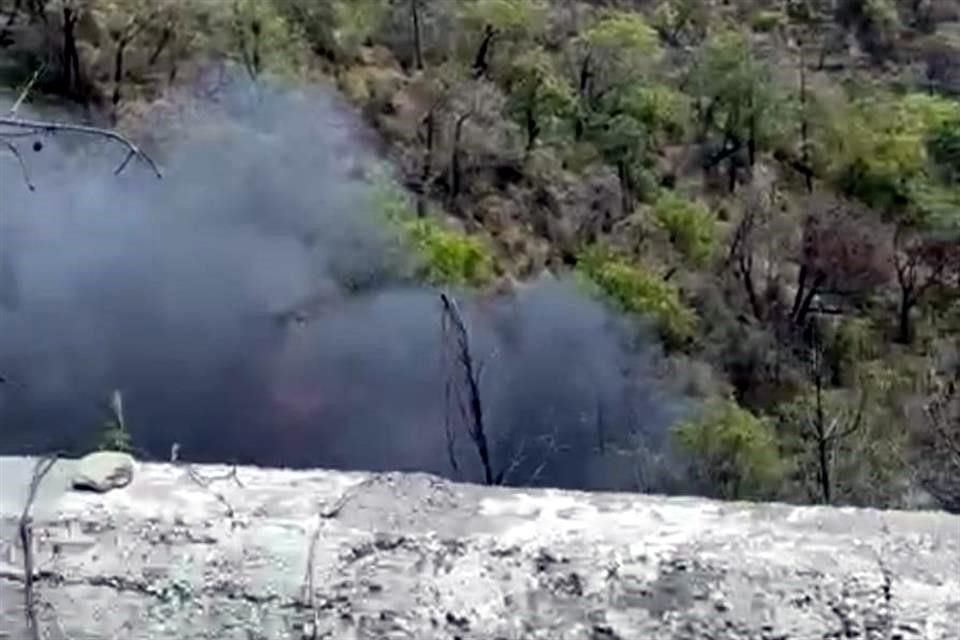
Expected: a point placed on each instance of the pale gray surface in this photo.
(412, 556)
(103, 471)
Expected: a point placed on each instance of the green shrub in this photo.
(443, 256)
(879, 149)
(636, 290)
(449, 257)
(736, 452)
(692, 227)
(766, 20)
(944, 147)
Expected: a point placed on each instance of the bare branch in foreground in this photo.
(40, 471)
(23, 165)
(18, 125)
(27, 89)
(470, 377)
(206, 482)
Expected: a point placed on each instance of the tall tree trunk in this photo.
(805, 124)
(904, 325)
(455, 168)
(533, 128)
(732, 173)
(429, 123)
(626, 196)
(481, 62)
(583, 91)
(71, 57)
(746, 275)
(824, 439)
(118, 77)
(806, 302)
(165, 36)
(417, 44)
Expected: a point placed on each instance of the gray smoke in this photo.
(179, 292)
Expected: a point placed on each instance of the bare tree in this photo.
(938, 466)
(844, 252)
(465, 381)
(122, 37)
(922, 263)
(827, 428)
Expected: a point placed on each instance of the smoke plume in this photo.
(215, 300)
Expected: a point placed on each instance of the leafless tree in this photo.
(844, 252)
(922, 263)
(463, 382)
(939, 464)
(827, 428)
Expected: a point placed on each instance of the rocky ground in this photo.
(202, 552)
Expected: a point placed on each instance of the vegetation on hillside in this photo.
(775, 184)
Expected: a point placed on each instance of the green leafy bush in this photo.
(692, 227)
(449, 257)
(944, 147)
(765, 20)
(877, 149)
(637, 290)
(443, 256)
(736, 452)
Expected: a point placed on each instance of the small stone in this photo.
(103, 471)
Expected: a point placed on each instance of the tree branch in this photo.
(23, 165)
(25, 528)
(26, 90)
(47, 127)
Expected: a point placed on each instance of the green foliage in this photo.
(538, 97)
(449, 257)
(662, 110)
(443, 256)
(745, 103)
(681, 21)
(113, 433)
(691, 225)
(766, 20)
(628, 125)
(622, 47)
(934, 205)
(625, 32)
(512, 17)
(736, 452)
(877, 150)
(636, 290)
(258, 35)
(356, 21)
(944, 147)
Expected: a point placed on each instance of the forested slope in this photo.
(775, 184)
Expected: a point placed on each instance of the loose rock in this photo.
(103, 471)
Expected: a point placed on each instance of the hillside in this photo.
(774, 185)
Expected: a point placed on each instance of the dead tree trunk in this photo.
(417, 43)
(71, 80)
(481, 62)
(469, 383)
(428, 137)
(455, 155)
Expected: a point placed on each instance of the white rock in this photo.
(103, 471)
